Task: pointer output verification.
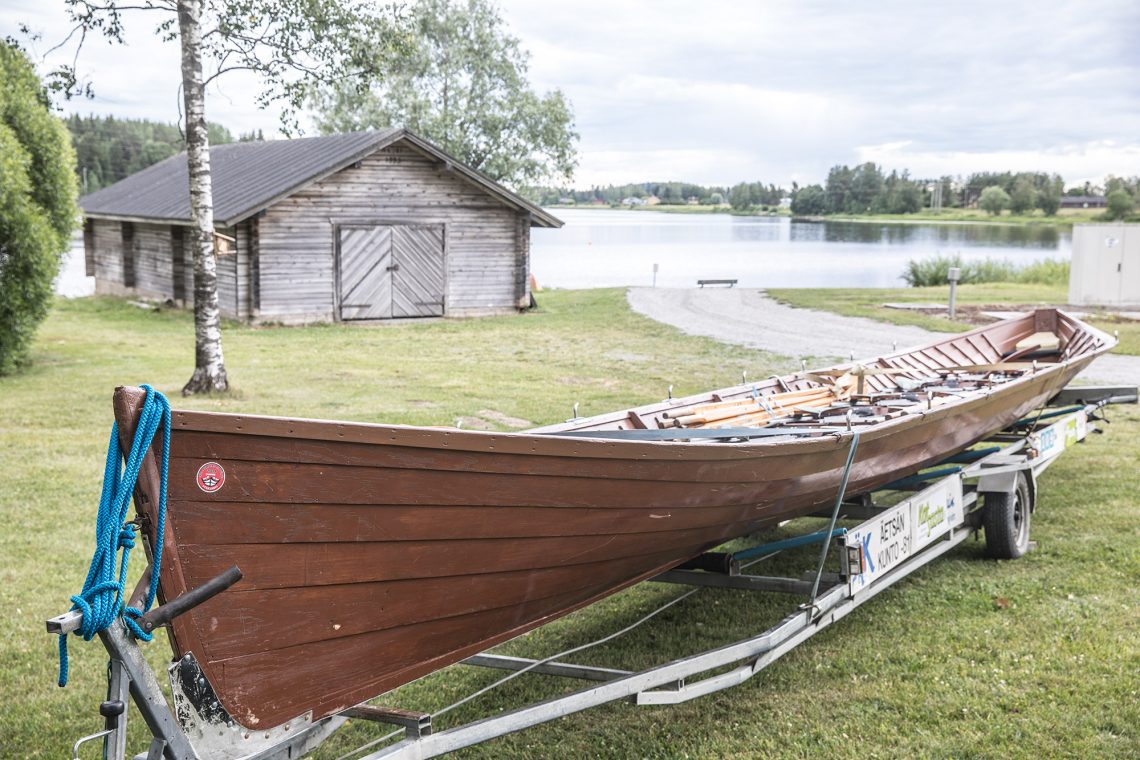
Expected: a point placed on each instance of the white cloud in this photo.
(718, 92)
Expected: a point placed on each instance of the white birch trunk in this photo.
(209, 367)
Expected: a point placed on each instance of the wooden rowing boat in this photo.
(375, 554)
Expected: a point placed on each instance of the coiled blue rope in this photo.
(101, 599)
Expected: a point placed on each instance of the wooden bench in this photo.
(729, 283)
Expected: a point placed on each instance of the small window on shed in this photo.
(127, 230)
(225, 242)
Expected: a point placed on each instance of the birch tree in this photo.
(294, 46)
(463, 85)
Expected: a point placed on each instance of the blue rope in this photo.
(101, 599)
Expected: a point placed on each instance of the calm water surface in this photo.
(605, 248)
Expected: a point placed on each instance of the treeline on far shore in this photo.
(867, 189)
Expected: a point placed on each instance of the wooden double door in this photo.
(391, 270)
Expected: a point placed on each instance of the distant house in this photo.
(633, 201)
(366, 225)
(1083, 201)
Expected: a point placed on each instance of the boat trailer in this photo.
(992, 486)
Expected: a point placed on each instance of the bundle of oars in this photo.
(754, 412)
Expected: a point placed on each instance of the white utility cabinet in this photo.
(1106, 265)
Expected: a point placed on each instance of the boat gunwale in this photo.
(458, 440)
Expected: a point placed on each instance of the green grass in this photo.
(935, 270)
(935, 668)
(868, 302)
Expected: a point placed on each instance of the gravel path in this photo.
(750, 318)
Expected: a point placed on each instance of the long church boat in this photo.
(372, 555)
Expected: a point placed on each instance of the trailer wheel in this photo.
(1007, 521)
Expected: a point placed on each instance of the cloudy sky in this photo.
(719, 92)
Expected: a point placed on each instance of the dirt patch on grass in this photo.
(505, 419)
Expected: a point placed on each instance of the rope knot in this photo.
(101, 599)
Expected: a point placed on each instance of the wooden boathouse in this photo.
(365, 225)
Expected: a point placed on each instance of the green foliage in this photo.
(1131, 185)
(666, 192)
(37, 204)
(463, 85)
(1023, 198)
(935, 271)
(1120, 204)
(749, 195)
(1039, 182)
(810, 201)
(994, 200)
(1048, 202)
(109, 149)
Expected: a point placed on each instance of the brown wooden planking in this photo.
(210, 522)
(266, 689)
(300, 565)
(197, 446)
(377, 662)
(271, 619)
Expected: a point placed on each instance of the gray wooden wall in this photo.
(487, 243)
(159, 265)
(283, 268)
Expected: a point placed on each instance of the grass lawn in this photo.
(868, 302)
(938, 667)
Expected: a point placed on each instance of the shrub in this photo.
(37, 204)
(994, 200)
(935, 271)
(1120, 204)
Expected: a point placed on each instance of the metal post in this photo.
(147, 694)
(114, 710)
(654, 275)
(834, 517)
(953, 276)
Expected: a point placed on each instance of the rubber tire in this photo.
(1007, 521)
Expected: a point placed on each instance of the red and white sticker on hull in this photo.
(211, 477)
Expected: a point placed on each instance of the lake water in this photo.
(606, 248)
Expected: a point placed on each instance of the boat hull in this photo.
(373, 554)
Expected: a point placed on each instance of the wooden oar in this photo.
(760, 418)
(706, 414)
(712, 406)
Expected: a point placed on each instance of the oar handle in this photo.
(164, 614)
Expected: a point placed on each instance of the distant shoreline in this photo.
(951, 216)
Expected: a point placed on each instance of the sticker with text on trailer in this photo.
(1060, 435)
(211, 477)
(883, 542)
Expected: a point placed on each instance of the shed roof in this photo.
(251, 176)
